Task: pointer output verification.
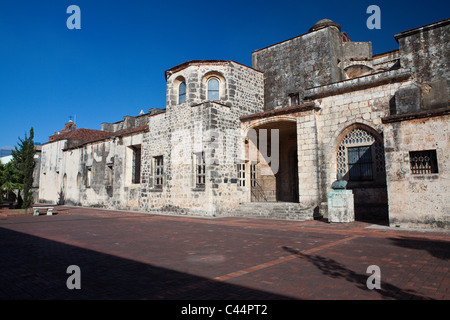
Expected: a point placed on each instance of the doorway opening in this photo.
(360, 160)
(274, 167)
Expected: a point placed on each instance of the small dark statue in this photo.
(339, 183)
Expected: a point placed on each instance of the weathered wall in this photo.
(320, 127)
(303, 62)
(200, 125)
(240, 85)
(399, 97)
(418, 199)
(426, 51)
(356, 103)
(64, 174)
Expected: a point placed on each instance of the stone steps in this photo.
(274, 210)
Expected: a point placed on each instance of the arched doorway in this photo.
(274, 167)
(360, 160)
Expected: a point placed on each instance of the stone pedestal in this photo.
(341, 206)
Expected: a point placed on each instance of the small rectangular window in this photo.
(423, 162)
(253, 175)
(109, 175)
(89, 177)
(158, 171)
(136, 177)
(241, 174)
(200, 169)
(295, 101)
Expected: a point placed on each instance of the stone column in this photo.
(307, 152)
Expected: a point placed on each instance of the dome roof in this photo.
(324, 23)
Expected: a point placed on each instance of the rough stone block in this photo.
(341, 206)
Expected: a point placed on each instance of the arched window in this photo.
(360, 156)
(182, 92)
(213, 89)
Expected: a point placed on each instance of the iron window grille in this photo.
(423, 162)
(253, 175)
(241, 174)
(200, 170)
(360, 163)
(136, 178)
(159, 171)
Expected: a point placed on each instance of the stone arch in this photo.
(358, 136)
(359, 157)
(357, 70)
(260, 122)
(222, 84)
(344, 128)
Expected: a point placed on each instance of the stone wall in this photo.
(398, 100)
(199, 125)
(426, 51)
(80, 176)
(418, 199)
(303, 62)
(357, 103)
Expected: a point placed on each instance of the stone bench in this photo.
(48, 209)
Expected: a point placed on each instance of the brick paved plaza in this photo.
(130, 255)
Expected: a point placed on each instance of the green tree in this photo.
(23, 159)
(9, 180)
(2, 179)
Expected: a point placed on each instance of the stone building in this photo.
(270, 139)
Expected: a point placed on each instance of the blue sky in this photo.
(114, 66)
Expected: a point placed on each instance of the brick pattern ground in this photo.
(130, 255)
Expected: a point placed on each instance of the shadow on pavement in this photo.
(36, 268)
(437, 248)
(334, 269)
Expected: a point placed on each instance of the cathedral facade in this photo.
(275, 136)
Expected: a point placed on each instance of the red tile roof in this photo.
(85, 136)
(80, 134)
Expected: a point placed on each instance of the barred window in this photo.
(423, 162)
(136, 165)
(200, 169)
(241, 174)
(360, 163)
(360, 156)
(158, 166)
(253, 175)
